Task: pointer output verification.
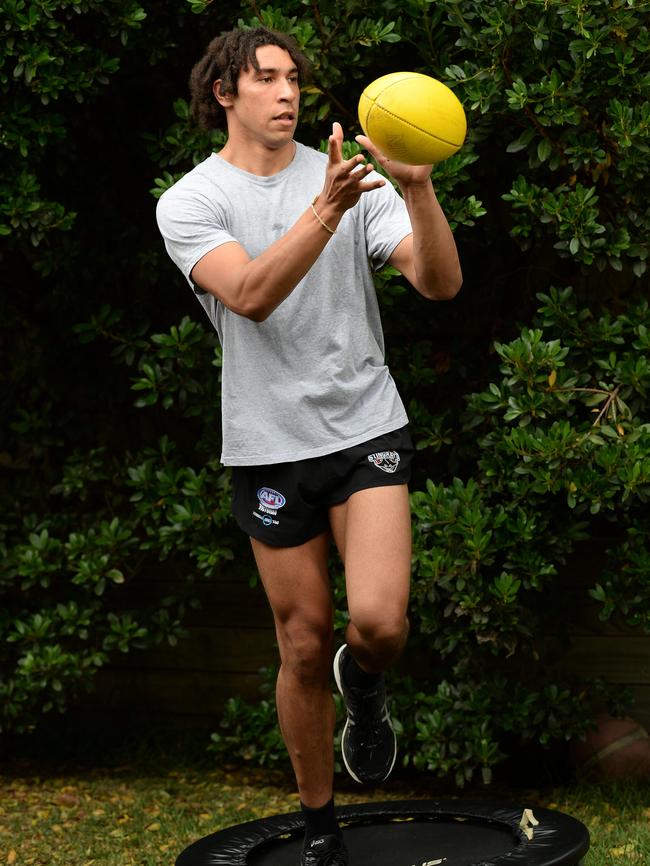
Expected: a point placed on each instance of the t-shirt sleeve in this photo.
(191, 226)
(386, 222)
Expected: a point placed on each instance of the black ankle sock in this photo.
(320, 822)
(355, 677)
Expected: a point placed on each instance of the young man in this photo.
(277, 241)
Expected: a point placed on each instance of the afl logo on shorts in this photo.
(388, 461)
(270, 498)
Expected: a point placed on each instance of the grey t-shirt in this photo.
(311, 379)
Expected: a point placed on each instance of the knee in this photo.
(384, 634)
(306, 649)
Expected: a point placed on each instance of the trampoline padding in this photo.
(406, 833)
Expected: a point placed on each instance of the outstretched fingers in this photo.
(400, 171)
(367, 185)
(335, 144)
(335, 152)
(346, 178)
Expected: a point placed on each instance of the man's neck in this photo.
(259, 160)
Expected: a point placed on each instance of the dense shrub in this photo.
(562, 455)
(528, 394)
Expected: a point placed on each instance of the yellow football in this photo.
(412, 118)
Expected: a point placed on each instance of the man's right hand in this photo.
(345, 179)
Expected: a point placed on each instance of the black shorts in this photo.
(286, 504)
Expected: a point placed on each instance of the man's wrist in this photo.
(417, 187)
(328, 212)
(319, 217)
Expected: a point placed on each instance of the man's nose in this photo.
(286, 91)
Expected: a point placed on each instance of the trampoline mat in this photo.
(406, 833)
(403, 843)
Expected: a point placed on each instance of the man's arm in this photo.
(255, 287)
(427, 258)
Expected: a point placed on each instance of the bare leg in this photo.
(372, 530)
(297, 585)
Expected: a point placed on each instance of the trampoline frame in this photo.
(559, 840)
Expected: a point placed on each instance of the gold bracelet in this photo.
(322, 222)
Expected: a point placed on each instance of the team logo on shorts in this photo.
(270, 500)
(387, 461)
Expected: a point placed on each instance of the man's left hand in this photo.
(404, 174)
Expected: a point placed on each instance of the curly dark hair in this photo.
(224, 58)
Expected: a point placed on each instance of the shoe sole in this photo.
(339, 685)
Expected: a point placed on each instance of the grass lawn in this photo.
(133, 816)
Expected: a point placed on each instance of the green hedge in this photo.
(528, 394)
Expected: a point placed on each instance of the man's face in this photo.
(265, 109)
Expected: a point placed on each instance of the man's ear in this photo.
(224, 99)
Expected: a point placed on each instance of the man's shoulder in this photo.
(310, 154)
(195, 177)
(196, 188)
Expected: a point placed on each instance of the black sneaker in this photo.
(324, 851)
(368, 743)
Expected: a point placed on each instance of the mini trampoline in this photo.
(409, 833)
